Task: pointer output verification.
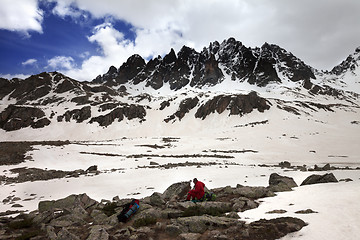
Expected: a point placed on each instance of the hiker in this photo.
(198, 192)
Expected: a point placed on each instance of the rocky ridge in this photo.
(119, 95)
(161, 216)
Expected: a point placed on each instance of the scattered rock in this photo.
(98, 233)
(156, 199)
(274, 228)
(93, 168)
(346, 180)
(189, 236)
(307, 211)
(279, 183)
(315, 179)
(17, 206)
(159, 217)
(280, 211)
(176, 191)
(285, 164)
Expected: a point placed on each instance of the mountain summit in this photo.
(227, 79)
(258, 66)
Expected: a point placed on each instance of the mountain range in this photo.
(228, 79)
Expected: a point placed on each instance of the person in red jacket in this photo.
(198, 192)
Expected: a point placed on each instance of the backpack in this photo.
(209, 196)
(128, 210)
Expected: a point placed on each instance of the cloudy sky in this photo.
(83, 38)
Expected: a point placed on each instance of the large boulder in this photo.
(176, 191)
(252, 192)
(221, 206)
(315, 179)
(274, 228)
(17, 117)
(98, 233)
(200, 224)
(279, 183)
(69, 203)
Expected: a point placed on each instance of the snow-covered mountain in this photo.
(227, 79)
(229, 115)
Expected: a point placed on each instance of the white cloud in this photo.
(30, 61)
(61, 63)
(322, 33)
(21, 15)
(11, 76)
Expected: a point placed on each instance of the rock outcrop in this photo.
(315, 179)
(236, 104)
(259, 66)
(17, 117)
(279, 183)
(161, 216)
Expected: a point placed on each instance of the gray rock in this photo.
(251, 192)
(199, 224)
(67, 220)
(44, 217)
(307, 211)
(346, 180)
(189, 236)
(93, 168)
(274, 228)
(327, 167)
(285, 164)
(279, 183)
(69, 203)
(64, 234)
(173, 230)
(147, 213)
(99, 216)
(239, 205)
(176, 191)
(156, 199)
(17, 205)
(315, 179)
(171, 213)
(50, 232)
(98, 233)
(233, 215)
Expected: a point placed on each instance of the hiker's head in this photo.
(195, 180)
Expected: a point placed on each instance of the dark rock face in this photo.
(236, 104)
(315, 179)
(15, 117)
(349, 64)
(130, 111)
(274, 228)
(279, 183)
(185, 106)
(79, 115)
(258, 66)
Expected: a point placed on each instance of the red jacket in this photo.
(198, 190)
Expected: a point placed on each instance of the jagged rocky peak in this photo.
(170, 57)
(351, 63)
(258, 66)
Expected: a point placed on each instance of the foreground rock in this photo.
(160, 216)
(315, 179)
(279, 183)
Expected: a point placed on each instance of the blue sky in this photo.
(83, 38)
